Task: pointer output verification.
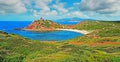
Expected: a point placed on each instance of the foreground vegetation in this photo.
(14, 48)
(88, 48)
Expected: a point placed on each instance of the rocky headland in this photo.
(48, 25)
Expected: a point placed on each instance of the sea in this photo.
(9, 26)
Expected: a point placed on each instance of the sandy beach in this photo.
(75, 30)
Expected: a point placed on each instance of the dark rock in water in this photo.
(18, 29)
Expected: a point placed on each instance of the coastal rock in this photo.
(18, 29)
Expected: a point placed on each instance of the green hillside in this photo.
(14, 48)
(96, 25)
(102, 31)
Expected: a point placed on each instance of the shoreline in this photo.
(75, 30)
(38, 30)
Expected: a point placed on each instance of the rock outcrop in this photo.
(43, 25)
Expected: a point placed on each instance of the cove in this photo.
(49, 36)
(59, 35)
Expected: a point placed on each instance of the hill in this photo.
(102, 31)
(46, 25)
(14, 48)
(70, 21)
(43, 25)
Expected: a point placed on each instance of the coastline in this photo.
(43, 30)
(75, 30)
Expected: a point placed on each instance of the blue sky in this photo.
(29, 10)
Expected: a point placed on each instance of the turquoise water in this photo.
(8, 27)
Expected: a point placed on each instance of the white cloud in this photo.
(101, 6)
(27, 3)
(45, 9)
(77, 14)
(43, 13)
(43, 4)
(48, 13)
(60, 7)
(12, 6)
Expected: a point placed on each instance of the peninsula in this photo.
(43, 25)
(48, 25)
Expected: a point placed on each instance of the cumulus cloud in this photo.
(101, 6)
(43, 4)
(43, 13)
(76, 14)
(45, 9)
(79, 14)
(27, 3)
(11, 6)
(60, 7)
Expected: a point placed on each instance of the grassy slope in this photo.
(14, 48)
(102, 31)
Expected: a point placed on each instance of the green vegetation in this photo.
(102, 31)
(96, 25)
(49, 24)
(46, 23)
(14, 48)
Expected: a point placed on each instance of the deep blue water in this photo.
(8, 26)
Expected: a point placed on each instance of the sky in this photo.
(29, 10)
